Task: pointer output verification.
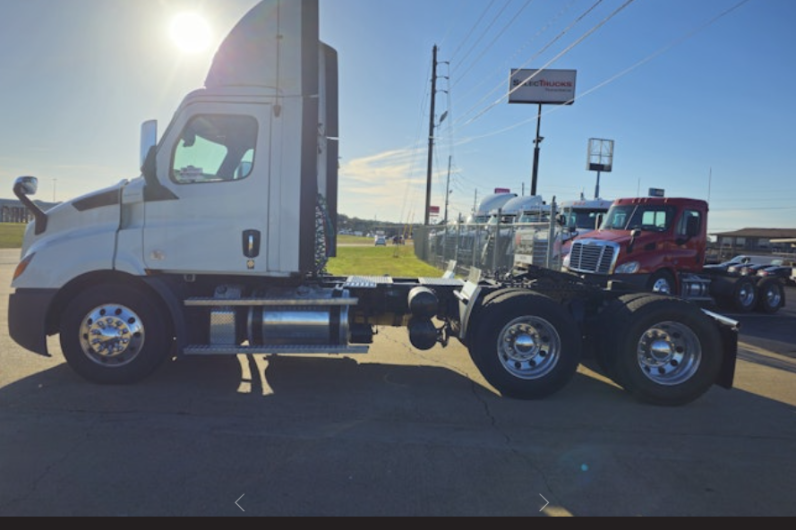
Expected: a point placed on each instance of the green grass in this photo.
(354, 240)
(11, 235)
(396, 261)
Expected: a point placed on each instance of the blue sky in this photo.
(698, 96)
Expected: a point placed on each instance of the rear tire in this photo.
(526, 345)
(616, 311)
(665, 351)
(744, 295)
(771, 296)
(115, 334)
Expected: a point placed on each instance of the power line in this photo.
(483, 34)
(502, 85)
(553, 60)
(620, 74)
(469, 33)
(500, 71)
(492, 43)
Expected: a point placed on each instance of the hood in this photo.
(95, 211)
(620, 237)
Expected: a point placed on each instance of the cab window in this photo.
(682, 225)
(215, 148)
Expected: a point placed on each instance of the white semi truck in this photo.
(219, 248)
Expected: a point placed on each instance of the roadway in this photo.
(395, 432)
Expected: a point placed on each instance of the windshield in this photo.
(582, 218)
(646, 217)
(533, 217)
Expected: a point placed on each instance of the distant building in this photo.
(13, 211)
(756, 241)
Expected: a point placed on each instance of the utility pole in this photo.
(431, 134)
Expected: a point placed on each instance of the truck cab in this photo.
(644, 242)
(581, 216)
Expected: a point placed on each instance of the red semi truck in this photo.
(659, 244)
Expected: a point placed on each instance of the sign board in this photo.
(433, 210)
(556, 87)
(600, 156)
(656, 192)
(502, 190)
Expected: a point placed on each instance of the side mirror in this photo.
(26, 185)
(634, 234)
(561, 219)
(149, 139)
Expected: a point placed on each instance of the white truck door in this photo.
(214, 163)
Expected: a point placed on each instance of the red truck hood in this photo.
(621, 237)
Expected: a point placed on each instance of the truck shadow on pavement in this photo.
(323, 389)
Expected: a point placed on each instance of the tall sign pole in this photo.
(536, 142)
(600, 158)
(430, 168)
(541, 87)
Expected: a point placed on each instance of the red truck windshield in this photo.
(646, 217)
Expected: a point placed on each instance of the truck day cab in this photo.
(659, 244)
(219, 248)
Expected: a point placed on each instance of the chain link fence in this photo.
(493, 247)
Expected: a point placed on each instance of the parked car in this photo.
(380, 241)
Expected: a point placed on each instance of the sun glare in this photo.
(190, 32)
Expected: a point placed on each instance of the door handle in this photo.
(251, 243)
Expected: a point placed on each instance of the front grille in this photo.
(593, 256)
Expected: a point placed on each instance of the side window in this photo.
(682, 226)
(215, 148)
(657, 219)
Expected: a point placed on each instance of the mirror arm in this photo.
(38, 213)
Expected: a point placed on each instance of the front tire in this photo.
(663, 350)
(661, 282)
(526, 345)
(115, 334)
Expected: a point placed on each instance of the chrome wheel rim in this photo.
(661, 285)
(746, 295)
(773, 296)
(529, 347)
(669, 353)
(112, 335)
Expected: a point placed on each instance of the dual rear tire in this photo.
(662, 350)
(526, 345)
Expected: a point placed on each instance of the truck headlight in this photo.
(565, 261)
(630, 267)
